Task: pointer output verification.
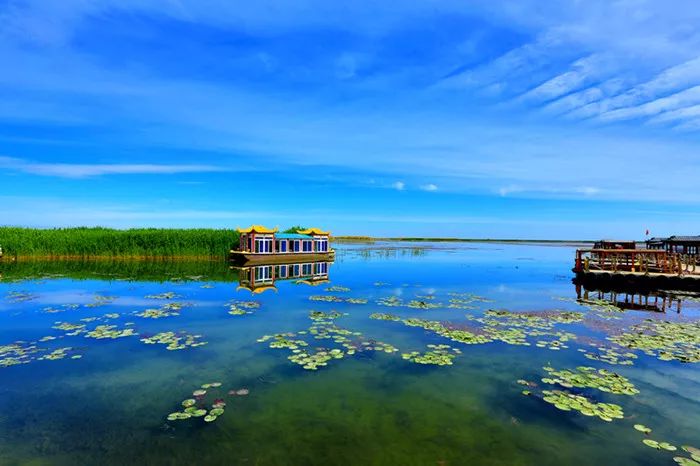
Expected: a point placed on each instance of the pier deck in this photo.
(645, 267)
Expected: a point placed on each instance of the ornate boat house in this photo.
(258, 239)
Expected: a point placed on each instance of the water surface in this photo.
(107, 401)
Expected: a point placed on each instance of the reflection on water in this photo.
(406, 354)
(260, 278)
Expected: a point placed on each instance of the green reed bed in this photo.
(107, 242)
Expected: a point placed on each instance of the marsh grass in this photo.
(107, 242)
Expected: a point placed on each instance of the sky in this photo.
(524, 119)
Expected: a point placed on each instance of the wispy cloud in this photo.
(67, 170)
(429, 187)
(398, 185)
(673, 79)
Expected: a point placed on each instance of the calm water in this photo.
(110, 405)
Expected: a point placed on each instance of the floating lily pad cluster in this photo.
(667, 341)
(566, 401)
(240, 308)
(100, 300)
(283, 340)
(165, 295)
(102, 332)
(424, 303)
(61, 308)
(383, 316)
(157, 313)
(323, 327)
(60, 353)
(439, 355)
(197, 405)
(609, 355)
(326, 298)
(71, 329)
(337, 299)
(175, 341)
(337, 289)
(590, 377)
(694, 459)
(19, 352)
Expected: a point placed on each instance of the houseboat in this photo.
(262, 245)
(260, 278)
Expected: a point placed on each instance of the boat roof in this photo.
(257, 229)
(292, 236)
(257, 290)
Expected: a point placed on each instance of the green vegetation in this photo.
(294, 229)
(117, 268)
(107, 242)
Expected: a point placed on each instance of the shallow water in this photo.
(110, 406)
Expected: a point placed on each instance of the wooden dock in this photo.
(638, 267)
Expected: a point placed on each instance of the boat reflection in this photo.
(637, 300)
(260, 278)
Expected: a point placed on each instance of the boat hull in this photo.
(250, 258)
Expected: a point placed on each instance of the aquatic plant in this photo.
(566, 401)
(318, 315)
(337, 299)
(19, 352)
(100, 300)
(326, 298)
(589, 377)
(609, 355)
(323, 327)
(382, 316)
(164, 295)
(659, 445)
(642, 428)
(337, 289)
(71, 329)
(57, 354)
(439, 355)
(239, 308)
(197, 407)
(174, 341)
(667, 341)
(109, 332)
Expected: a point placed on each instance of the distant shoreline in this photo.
(360, 239)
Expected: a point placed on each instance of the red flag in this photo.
(647, 232)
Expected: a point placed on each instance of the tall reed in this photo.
(107, 242)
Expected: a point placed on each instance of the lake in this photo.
(395, 354)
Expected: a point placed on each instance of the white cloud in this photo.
(429, 187)
(680, 99)
(68, 170)
(581, 72)
(672, 79)
(675, 115)
(398, 185)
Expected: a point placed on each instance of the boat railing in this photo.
(636, 260)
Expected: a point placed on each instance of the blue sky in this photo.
(525, 119)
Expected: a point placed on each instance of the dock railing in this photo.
(635, 260)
